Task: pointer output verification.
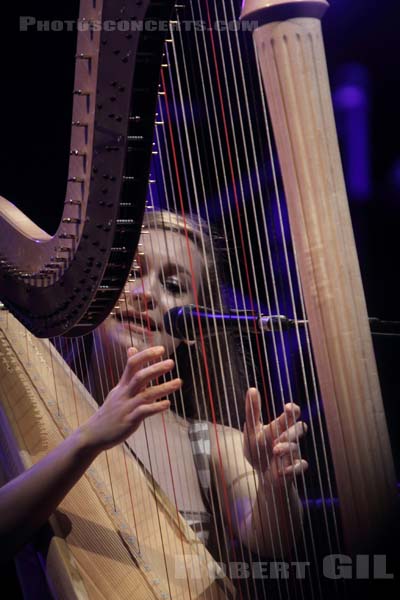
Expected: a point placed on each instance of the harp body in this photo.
(95, 551)
(291, 58)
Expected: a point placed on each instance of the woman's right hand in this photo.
(131, 400)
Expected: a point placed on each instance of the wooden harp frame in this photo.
(68, 283)
(292, 60)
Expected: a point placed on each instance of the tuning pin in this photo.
(71, 202)
(76, 152)
(81, 93)
(76, 179)
(71, 220)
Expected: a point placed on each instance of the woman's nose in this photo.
(143, 300)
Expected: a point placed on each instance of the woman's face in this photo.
(165, 278)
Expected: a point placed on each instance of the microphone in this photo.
(186, 322)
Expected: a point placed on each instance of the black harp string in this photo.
(110, 381)
(123, 300)
(115, 375)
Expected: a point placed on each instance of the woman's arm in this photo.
(256, 482)
(27, 501)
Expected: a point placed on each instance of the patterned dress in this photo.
(199, 437)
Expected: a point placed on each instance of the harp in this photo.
(291, 61)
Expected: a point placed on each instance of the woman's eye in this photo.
(173, 285)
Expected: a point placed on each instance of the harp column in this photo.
(291, 55)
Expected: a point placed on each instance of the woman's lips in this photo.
(130, 326)
(138, 323)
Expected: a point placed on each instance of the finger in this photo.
(286, 448)
(294, 433)
(140, 359)
(131, 351)
(156, 392)
(299, 466)
(147, 410)
(143, 377)
(253, 411)
(290, 414)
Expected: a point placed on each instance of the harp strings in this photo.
(165, 162)
(227, 368)
(264, 290)
(208, 364)
(293, 283)
(170, 442)
(262, 356)
(285, 364)
(205, 357)
(234, 155)
(130, 292)
(310, 386)
(195, 145)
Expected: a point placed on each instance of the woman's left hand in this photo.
(273, 447)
